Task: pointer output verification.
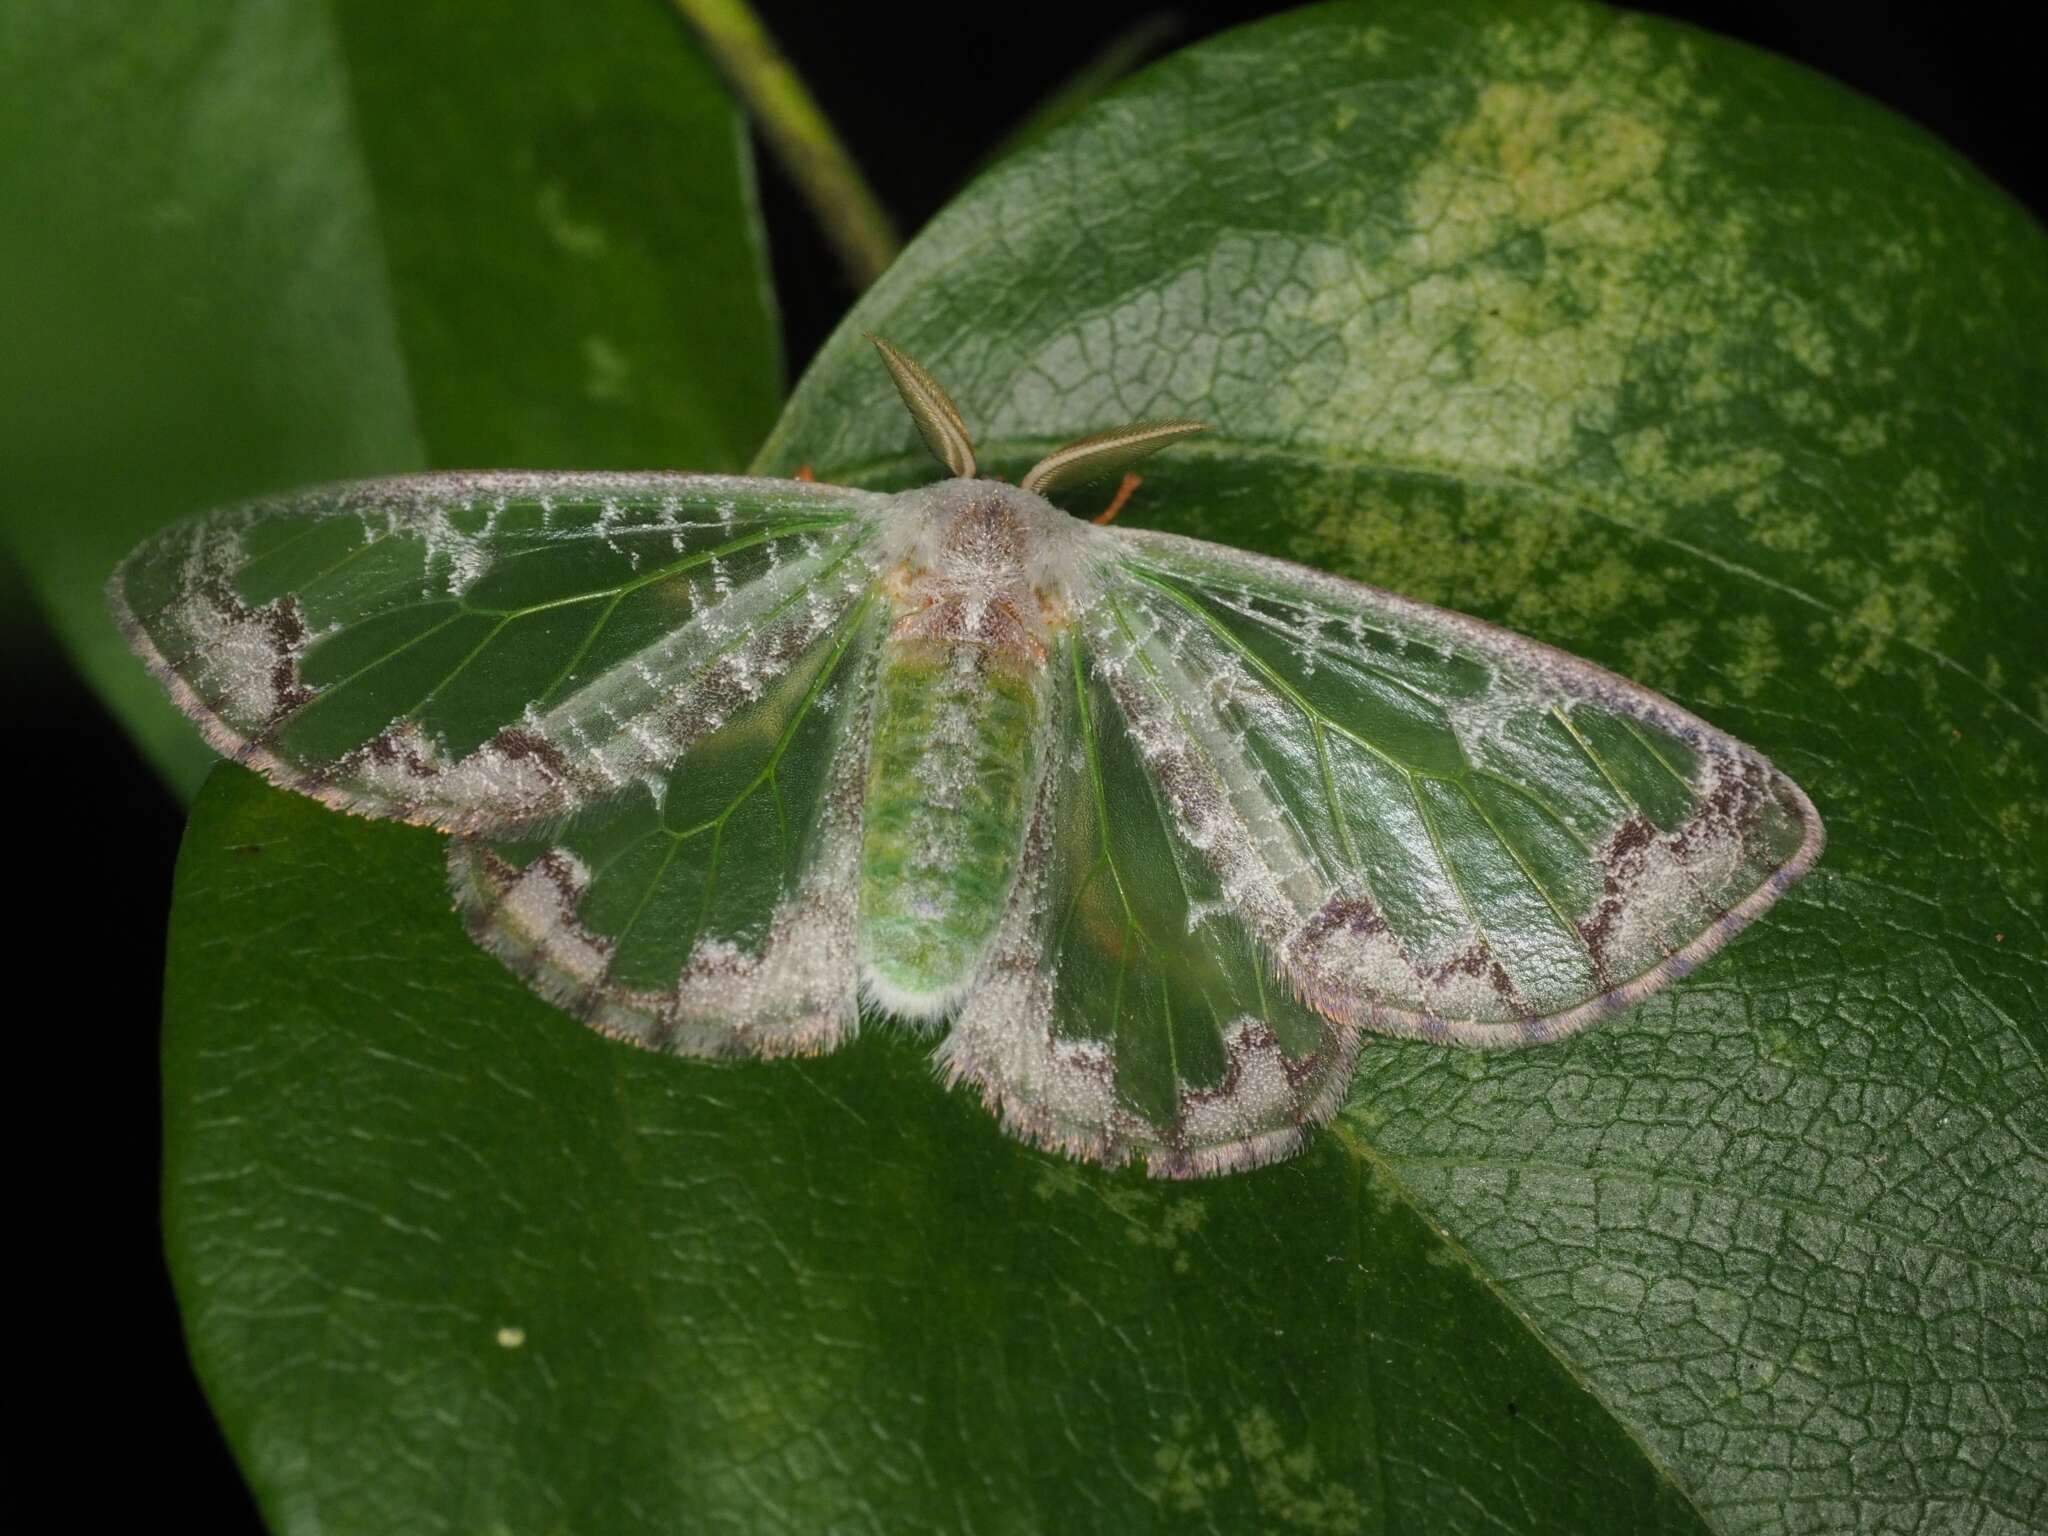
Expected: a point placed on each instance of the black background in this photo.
(109, 1419)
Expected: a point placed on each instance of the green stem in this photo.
(797, 128)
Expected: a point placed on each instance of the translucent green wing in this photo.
(1432, 826)
(1289, 807)
(481, 651)
(1124, 1008)
(714, 912)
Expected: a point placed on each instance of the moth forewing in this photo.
(472, 651)
(1509, 843)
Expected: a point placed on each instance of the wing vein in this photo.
(1556, 817)
(674, 568)
(1528, 874)
(1172, 699)
(1279, 684)
(1444, 860)
(1593, 757)
(1095, 780)
(1337, 822)
(1629, 725)
(377, 661)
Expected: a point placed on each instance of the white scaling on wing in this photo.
(798, 993)
(1340, 962)
(1665, 887)
(1516, 691)
(1313, 633)
(613, 519)
(538, 905)
(458, 558)
(1301, 627)
(627, 725)
(1258, 1095)
(1187, 702)
(489, 786)
(217, 650)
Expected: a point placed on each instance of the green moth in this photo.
(1153, 830)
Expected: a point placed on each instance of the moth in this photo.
(1149, 832)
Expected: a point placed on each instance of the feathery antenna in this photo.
(1097, 457)
(938, 419)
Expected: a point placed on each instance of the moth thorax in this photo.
(985, 540)
(973, 582)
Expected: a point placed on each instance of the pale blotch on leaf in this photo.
(1663, 651)
(1285, 1481)
(578, 237)
(1187, 1472)
(1906, 610)
(607, 372)
(1755, 656)
(1864, 432)
(1546, 566)
(1177, 1221)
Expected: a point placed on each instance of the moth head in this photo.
(1095, 457)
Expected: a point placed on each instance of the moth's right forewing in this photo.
(482, 651)
(1436, 827)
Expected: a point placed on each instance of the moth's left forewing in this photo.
(1437, 827)
(475, 650)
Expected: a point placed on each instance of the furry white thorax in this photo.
(987, 540)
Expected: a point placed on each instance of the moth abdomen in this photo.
(952, 763)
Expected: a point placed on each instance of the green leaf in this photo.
(1657, 349)
(276, 244)
(450, 1259)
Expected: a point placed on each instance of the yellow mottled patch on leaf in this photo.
(1593, 571)
(1286, 1481)
(1753, 643)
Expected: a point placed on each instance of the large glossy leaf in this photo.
(276, 243)
(1662, 351)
